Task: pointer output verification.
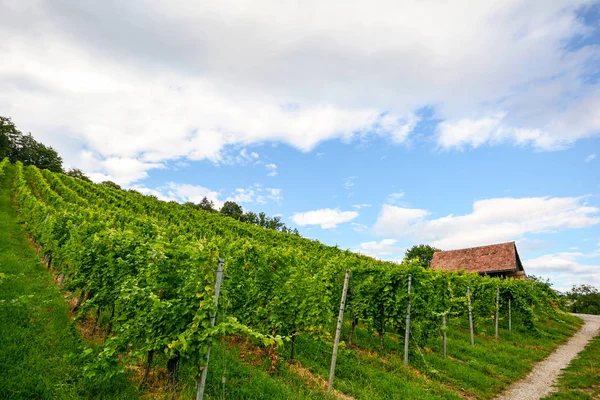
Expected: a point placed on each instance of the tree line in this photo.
(234, 210)
(18, 146)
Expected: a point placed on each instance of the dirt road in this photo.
(539, 383)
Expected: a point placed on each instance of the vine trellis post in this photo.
(407, 333)
(444, 332)
(470, 315)
(338, 331)
(497, 309)
(509, 316)
(219, 278)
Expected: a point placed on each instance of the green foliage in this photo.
(111, 184)
(24, 148)
(36, 338)
(207, 205)
(584, 299)
(232, 209)
(150, 265)
(423, 253)
(77, 173)
(581, 379)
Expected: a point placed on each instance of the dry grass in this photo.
(312, 380)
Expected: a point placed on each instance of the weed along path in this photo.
(539, 383)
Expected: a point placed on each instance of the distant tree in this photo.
(584, 299)
(9, 136)
(275, 223)
(111, 184)
(19, 147)
(189, 204)
(31, 152)
(421, 252)
(77, 173)
(232, 209)
(207, 205)
(250, 218)
(262, 219)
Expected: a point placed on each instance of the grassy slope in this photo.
(581, 379)
(36, 336)
(481, 371)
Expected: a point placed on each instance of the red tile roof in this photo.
(501, 257)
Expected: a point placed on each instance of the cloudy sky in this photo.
(374, 125)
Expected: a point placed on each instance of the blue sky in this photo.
(370, 126)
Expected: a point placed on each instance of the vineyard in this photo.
(144, 272)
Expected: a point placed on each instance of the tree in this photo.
(207, 205)
(19, 147)
(584, 299)
(232, 209)
(275, 223)
(9, 136)
(250, 218)
(189, 204)
(111, 184)
(77, 173)
(421, 252)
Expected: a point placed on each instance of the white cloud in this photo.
(579, 121)
(359, 227)
(359, 206)
(183, 192)
(394, 198)
(256, 194)
(492, 221)
(121, 170)
(590, 158)
(327, 218)
(349, 182)
(148, 82)
(385, 249)
(566, 269)
(272, 168)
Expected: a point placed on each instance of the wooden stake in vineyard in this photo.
(509, 316)
(200, 394)
(470, 315)
(444, 331)
(407, 333)
(338, 331)
(497, 309)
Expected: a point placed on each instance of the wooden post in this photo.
(509, 316)
(470, 315)
(444, 332)
(407, 333)
(338, 331)
(200, 394)
(497, 309)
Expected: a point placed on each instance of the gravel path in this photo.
(539, 383)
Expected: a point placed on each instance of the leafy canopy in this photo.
(421, 252)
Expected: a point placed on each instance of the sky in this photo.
(371, 125)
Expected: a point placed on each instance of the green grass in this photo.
(481, 371)
(36, 337)
(581, 379)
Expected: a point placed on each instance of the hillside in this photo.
(140, 276)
